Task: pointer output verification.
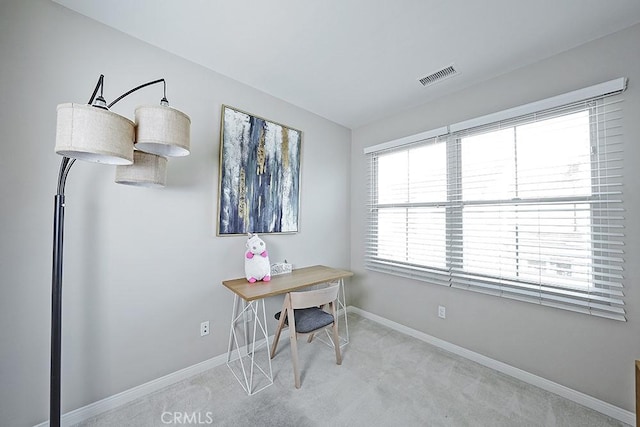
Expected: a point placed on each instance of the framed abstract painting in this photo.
(259, 185)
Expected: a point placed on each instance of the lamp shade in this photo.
(162, 130)
(147, 170)
(94, 134)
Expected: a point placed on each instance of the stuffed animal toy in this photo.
(256, 260)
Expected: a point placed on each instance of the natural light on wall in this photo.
(521, 205)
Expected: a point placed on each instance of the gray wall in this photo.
(588, 354)
(142, 267)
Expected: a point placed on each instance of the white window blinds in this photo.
(528, 207)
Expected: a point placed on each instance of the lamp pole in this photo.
(56, 294)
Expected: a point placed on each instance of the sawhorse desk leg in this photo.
(341, 312)
(249, 345)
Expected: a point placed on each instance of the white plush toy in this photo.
(256, 260)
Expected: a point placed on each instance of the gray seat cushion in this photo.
(309, 319)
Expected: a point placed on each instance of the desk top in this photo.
(283, 283)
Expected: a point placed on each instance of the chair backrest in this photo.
(314, 298)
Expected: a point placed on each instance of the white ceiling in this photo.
(356, 61)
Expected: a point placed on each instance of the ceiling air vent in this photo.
(438, 75)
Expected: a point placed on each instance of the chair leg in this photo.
(275, 342)
(294, 357)
(293, 337)
(336, 343)
(278, 330)
(336, 337)
(311, 337)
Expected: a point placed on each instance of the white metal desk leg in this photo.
(252, 377)
(231, 329)
(342, 304)
(245, 324)
(261, 327)
(344, 338)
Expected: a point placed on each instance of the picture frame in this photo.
(259, 179)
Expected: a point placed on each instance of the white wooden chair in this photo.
(304, 314)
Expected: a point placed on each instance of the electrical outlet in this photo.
(248, 315)
(442, 312)
(204, 328)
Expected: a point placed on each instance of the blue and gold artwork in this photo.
(259, 175)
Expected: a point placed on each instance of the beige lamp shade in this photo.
(162, 130)
(94, 134)
(147, 170)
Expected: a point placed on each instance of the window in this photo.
(528, 207)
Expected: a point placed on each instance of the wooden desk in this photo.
(278, 285)
(248, 308)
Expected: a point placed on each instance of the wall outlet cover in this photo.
(204, 328)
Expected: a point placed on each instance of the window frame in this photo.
(608, 303)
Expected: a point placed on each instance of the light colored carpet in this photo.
(386, 379)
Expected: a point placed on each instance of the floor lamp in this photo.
(93, 133)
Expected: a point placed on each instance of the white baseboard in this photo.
(566, 392)
(112, 402)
